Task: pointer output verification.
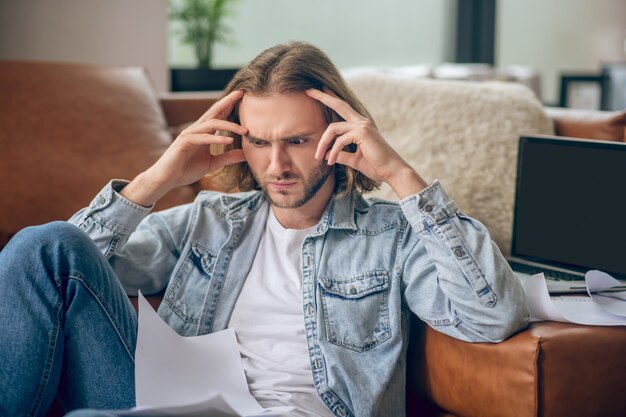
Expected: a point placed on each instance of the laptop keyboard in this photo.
(555, 275)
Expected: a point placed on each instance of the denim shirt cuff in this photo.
(119, 213)
(429, 207)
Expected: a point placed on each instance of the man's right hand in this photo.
(189, 157)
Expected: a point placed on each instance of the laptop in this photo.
(570, 210)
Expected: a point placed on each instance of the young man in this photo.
(317, 282)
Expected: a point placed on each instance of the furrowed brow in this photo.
(285, 139)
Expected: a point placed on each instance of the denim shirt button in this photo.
(428, 208)
(353, 290)
(101, 200)
(458, 252)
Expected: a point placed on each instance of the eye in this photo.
(297, 141)
(256, 142)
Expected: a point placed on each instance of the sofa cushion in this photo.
(464, 133)
(552, 369)
(65, 130)
(589, 124)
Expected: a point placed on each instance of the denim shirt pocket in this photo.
(186, 293)
(356, 309)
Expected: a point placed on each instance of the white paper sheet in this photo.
(601, 287)
(189, 376)
(579, 309)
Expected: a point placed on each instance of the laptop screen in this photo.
(570, 204)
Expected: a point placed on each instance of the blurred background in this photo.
(570, 52)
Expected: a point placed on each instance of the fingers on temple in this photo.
(201, 139)
(342, 108)
(333, 129)
(340, 143)
(212, 125)
(222, 107)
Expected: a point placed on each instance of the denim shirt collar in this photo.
(339, 214)
(241, 205)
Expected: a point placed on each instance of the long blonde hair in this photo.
(285, 68)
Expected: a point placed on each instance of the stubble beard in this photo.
(311, 186)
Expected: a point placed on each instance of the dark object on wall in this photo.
(582, 92)
(614, 74)
(475, 31)
(201, 79)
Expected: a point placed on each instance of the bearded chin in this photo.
(312, 185)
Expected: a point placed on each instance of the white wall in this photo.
(113, 32)
(551, 35)
(351, 32)
(557, 36)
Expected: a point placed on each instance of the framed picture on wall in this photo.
(582, 91)
(614, 86)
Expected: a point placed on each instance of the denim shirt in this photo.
(366, 267)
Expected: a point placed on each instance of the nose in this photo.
(279, 161)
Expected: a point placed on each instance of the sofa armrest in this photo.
(589, 124)
(183, 108)
(550, 369)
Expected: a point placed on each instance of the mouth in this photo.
(282, 185)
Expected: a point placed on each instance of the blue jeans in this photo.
(66, 326)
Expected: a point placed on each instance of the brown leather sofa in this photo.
(66, 129)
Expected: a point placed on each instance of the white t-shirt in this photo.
(269, 322)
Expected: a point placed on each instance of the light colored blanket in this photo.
(463, 133)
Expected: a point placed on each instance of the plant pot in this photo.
(201, 79)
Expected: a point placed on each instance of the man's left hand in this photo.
(374, 157)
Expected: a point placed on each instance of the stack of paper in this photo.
(189, 376)
(601, 306)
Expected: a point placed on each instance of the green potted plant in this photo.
(202, 23)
